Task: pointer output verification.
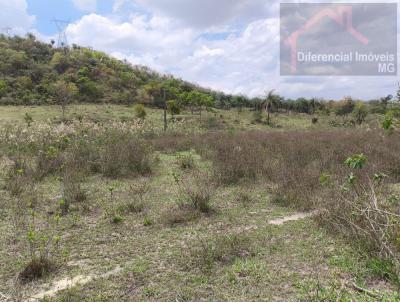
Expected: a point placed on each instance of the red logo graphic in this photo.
(342, 15)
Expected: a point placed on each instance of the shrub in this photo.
(360, 112)
(48, 161)
(125, 155)
(41, 235)
(136, 193)
(185, 160)
(223, 249)
(362, 210)
(35, 269)
(257, 117)
(140, 111)
(178, 215)
(85, 154)
(293, 161)
(18, 177)
(196, 191)
(237, 157)
(71, 187)
(117, 219)
(28, 119)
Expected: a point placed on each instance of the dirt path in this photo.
(51, 290)
(294, 217)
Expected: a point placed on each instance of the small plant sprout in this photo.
(117, 219)
(111, 188)
(388, 123)
(147, 221)
(325, 179)
(28, 119)
(379, 177)
(356, 161)
(176, 176)
(351, 179)
(111, 208)
(63, 206)
(394, 199)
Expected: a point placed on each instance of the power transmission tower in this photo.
(6, 30)
(62, 32)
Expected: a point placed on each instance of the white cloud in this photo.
(205, 51)
(244, 62)
(230, 64)
(118, 4)
(85, 5)
(13, 14)
(216, 53)
(139, 36)
(209, 13)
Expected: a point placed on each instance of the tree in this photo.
(344, 107)
(64, 93)
(271, 100)
(360, 112)
(239, 101)
(60, 62)
(385, 101)
(199, 99)
(155, 90)
(173, 108)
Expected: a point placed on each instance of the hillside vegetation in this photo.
(37, 73)
(30, 69)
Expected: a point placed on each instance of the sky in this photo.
(228, 45)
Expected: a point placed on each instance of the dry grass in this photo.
(289, 164)
(206, 253)
(196, 191)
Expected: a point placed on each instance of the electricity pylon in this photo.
(62, 32)
(6, 30)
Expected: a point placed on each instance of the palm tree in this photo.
(271, 100)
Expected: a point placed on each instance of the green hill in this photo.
(30, 68)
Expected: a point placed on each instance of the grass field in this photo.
(241, 120)
(128, 244)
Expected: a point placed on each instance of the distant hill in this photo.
(30, 68)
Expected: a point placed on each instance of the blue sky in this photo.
(229, 45)
(46, 10)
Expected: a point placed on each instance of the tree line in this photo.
(34, 73)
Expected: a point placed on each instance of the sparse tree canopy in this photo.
(173, 107)
(64, 93)
(360, 112)
(344, 107)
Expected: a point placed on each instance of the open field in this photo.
(134, 214)
(239, 120)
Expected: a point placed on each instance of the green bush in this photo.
(140, 111)
(185, 160)
(125, 155)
